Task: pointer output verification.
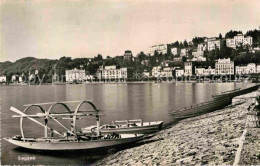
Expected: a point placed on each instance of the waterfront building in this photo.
(112, 72)
(175, 51)
(209, 71)
(199, 71)
(128, 55)
(166, 72)
(258, 69)
(188, 69)
(224, 67)
(2, 78)
(146, 74)
(179, 73)
(248, 69)
(75, 75)
(14, 78)
(156, 71)
(213, 43)
(161, 48)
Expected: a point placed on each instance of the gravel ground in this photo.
(209, 139)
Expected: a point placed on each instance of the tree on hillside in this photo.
(255, 34)
(220, 36)
(231, 34)
(185, 44)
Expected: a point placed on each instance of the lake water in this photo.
(147, 101)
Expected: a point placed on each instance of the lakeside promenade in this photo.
(217, 138)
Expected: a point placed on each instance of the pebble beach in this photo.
(210, 139)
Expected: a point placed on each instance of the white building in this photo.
(184, 52)
(258, 69)
(231, 43)
(179, 73)
(239, 40)
(188, 70)
(248, 69)
(146, 74)
(224, 67)
(175, 51)
(213, 43)
(248, 41)
(209, 71)
(14, 78)
(166, 72)
(75, 74)
(2, 78)
(202, 47)
(161, 48)
(156, 71)
(199, 71)
(111, 72)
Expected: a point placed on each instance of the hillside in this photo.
(25, 64)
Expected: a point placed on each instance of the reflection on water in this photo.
(150, 102)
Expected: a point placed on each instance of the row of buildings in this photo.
(222, 67)
(208, 45)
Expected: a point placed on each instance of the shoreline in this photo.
(213, 138)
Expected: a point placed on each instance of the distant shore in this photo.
(127, 82)
(209, 139)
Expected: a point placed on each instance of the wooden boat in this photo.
(236, 92)
(201, 108)
(71, 139)
(126, 126)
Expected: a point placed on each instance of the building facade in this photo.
(188, 69)
(166, 72)
(224, 67)
(161, 48)
(239, 40)
(248, 69)
(213, 43)
(202, 47)
(209, 71)
(75, 75)
(111, 72)
(2, 78)
(175, 51)
(156, 71)
(128, 55)
(179, 73)
(184, 52)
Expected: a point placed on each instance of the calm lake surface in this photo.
(147, 101)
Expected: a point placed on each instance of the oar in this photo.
(61, 124)
(23, 114)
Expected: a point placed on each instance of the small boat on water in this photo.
(201, 108)
(236, 92)
(53, 140)
(126, 126)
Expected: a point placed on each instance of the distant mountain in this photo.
(25, 64)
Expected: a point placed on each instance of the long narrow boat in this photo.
(71, 139)
(126, 126)
(236, 92)
(201, 108)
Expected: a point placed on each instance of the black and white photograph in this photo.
(129, 82)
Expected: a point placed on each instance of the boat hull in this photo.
(236, 93)
(202, 109)
(146, 129)
(73, 145)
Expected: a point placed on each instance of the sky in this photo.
(79, 29)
